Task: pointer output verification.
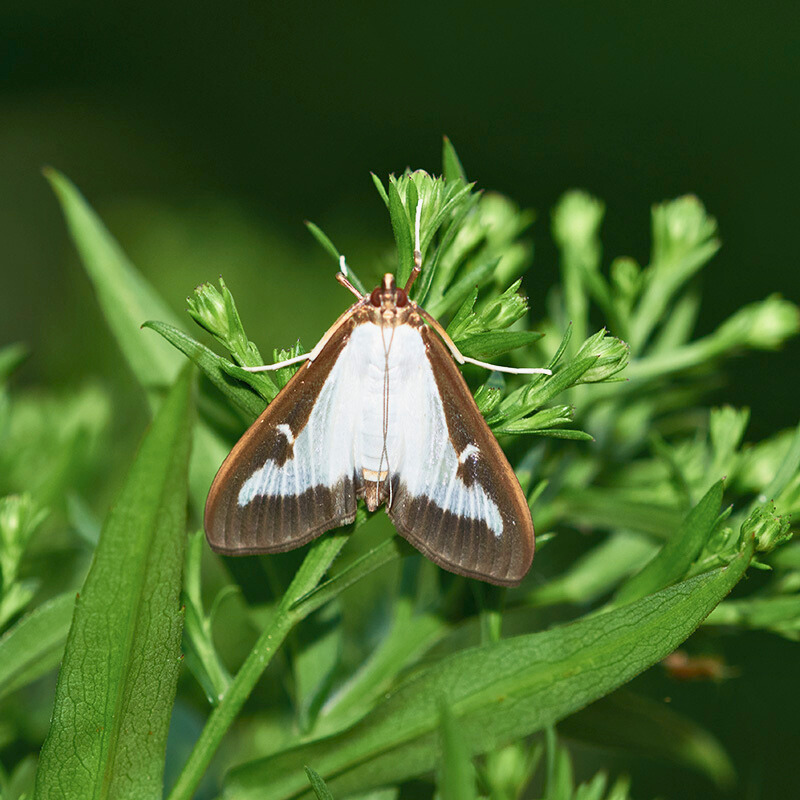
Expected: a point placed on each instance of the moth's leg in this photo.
(319, 345)
(462, 359)
(280, 364)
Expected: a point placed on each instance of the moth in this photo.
(381, 412)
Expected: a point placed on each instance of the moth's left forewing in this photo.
(291, 476)
(457, 498)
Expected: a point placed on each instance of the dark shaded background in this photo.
(206, 132)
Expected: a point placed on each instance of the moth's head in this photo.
(387, 296)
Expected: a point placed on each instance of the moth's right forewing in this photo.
(456, 497)
(288, 479)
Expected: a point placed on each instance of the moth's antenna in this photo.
(417, 250)
(342, 277)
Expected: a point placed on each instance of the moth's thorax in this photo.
(388, 306)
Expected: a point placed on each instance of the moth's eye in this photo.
(402, 298)
(375, 297)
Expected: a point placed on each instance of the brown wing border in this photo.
(494, 473)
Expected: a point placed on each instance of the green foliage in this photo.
(380, 668)
(457, 775)
(19, 518)
(126, 299)
(676, 557)
(35, 644)
(498, 693)
(318, 785)
(123, 645)
(202, 657)
(561, 783)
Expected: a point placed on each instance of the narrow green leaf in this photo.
(455, 294)
(560, 781)
(323, 239)
(461, 196)
(410, 636)
(553, 433)
(316, 649)
(33, 646)
(117, 681)
(318, 785)
(402, 235)
(676, 556)
(381, 189)
(219, 371)
(434, 278)
(457, 775)
(410, 206)
(678, 327)
(331, 248)
(464, 313)
(562, 347)
(499, 692)
(564, 433)
(126, 299)
(551, 417)
(506, 772)
(386, 552)
(540, 391)
(451, 164)
(200, 652)
(487, 398)
(494, 343)
(15, 599)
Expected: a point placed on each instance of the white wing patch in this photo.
(323, 451)
(379, 413)
(420, 451)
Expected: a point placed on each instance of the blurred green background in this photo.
(204, 133)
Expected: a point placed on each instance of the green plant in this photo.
(355, 665)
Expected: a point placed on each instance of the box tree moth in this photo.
(381, 412)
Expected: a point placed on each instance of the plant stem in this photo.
(314, 566)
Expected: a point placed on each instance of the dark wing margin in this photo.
(460, 543)
(275, 523)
